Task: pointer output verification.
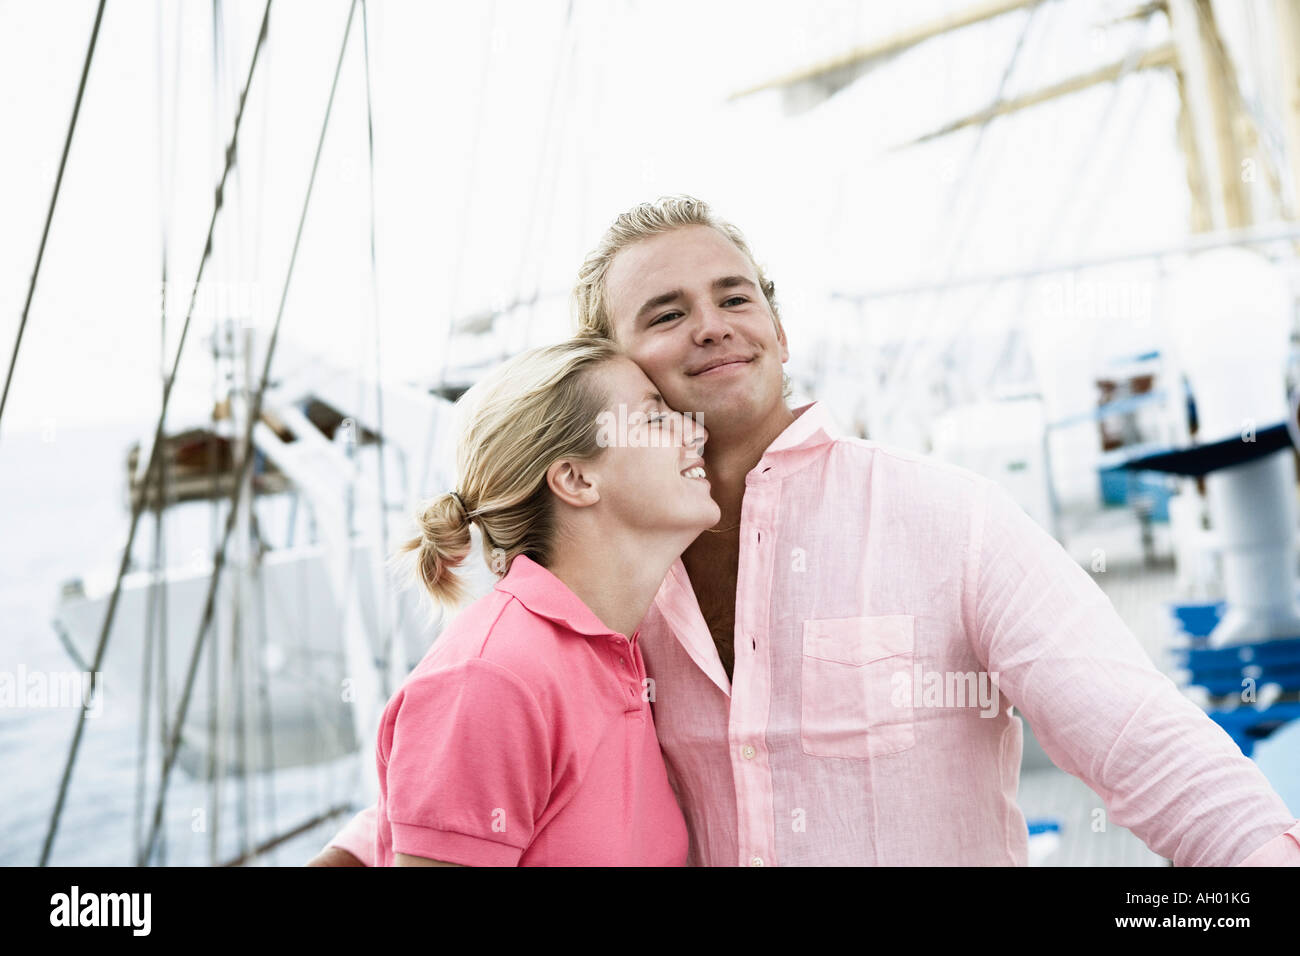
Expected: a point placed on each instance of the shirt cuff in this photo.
(1282, 850)
(358, 837)
(449, 846)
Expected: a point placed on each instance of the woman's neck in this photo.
(617, 574)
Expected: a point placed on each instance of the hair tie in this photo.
(463, 509)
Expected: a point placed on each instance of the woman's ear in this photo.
(573, 482)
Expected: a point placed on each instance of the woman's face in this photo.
(647, 448)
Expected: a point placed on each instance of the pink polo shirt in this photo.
(525, 737)
(878, 592)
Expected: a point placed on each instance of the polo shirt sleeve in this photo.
(468, 765)
(1055, 646)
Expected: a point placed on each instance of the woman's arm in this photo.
(405, 859)
(464, 751)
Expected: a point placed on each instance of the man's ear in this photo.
(571, 482)
(780, 337)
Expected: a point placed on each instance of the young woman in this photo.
(525, 735)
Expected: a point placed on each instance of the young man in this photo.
(833, 666)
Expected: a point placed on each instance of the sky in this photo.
(508, 134)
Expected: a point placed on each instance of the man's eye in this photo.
(734, 300)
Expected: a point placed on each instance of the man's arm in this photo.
(405, 859)
(354, 845)
(1101, 709)
(333, 856)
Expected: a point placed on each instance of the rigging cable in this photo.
(263, 666)
(531, 221)
(569, 59)
(436, 414)
(222, 264)
(385, 602)
(919, 326)
(906, 365)
(137, 507)
(156, 600)
(171, 193)
(245, 457)
(54, 198)
(453, 296)
(1049, 231)
(263, 684)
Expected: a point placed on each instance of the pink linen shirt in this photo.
(877, 593)
(525, 737)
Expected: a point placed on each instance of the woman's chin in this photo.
(698, 523)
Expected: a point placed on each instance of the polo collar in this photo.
(547, 596)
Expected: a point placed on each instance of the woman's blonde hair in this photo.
(538, 407)
(590, 300)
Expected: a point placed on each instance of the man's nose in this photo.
(713, 324)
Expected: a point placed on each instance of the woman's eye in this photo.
(664, 317)
(659, 419)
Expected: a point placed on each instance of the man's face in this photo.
(686, 300)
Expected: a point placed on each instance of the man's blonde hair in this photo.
(590, 299)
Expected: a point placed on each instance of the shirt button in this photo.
(756, 861)
(747, 752)
(623, 661)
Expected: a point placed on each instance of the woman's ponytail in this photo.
(443, 544)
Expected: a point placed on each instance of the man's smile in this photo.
(721, 365)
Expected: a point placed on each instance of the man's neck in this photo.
(730, 455)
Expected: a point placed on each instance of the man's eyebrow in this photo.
(726, 282)
(652, 304)
(730, 282)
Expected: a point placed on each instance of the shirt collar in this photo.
(547, 596)
(813, 425)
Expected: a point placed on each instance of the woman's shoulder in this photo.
(498, 657)
(499, 630)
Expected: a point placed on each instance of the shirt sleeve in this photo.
(358, 837)
(1054, 644)
(468, 754)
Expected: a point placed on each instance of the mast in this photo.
(828, 76)
(1210, 123)
(1287, 17)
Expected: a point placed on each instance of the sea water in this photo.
(63, 514)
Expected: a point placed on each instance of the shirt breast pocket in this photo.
(852, 705)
